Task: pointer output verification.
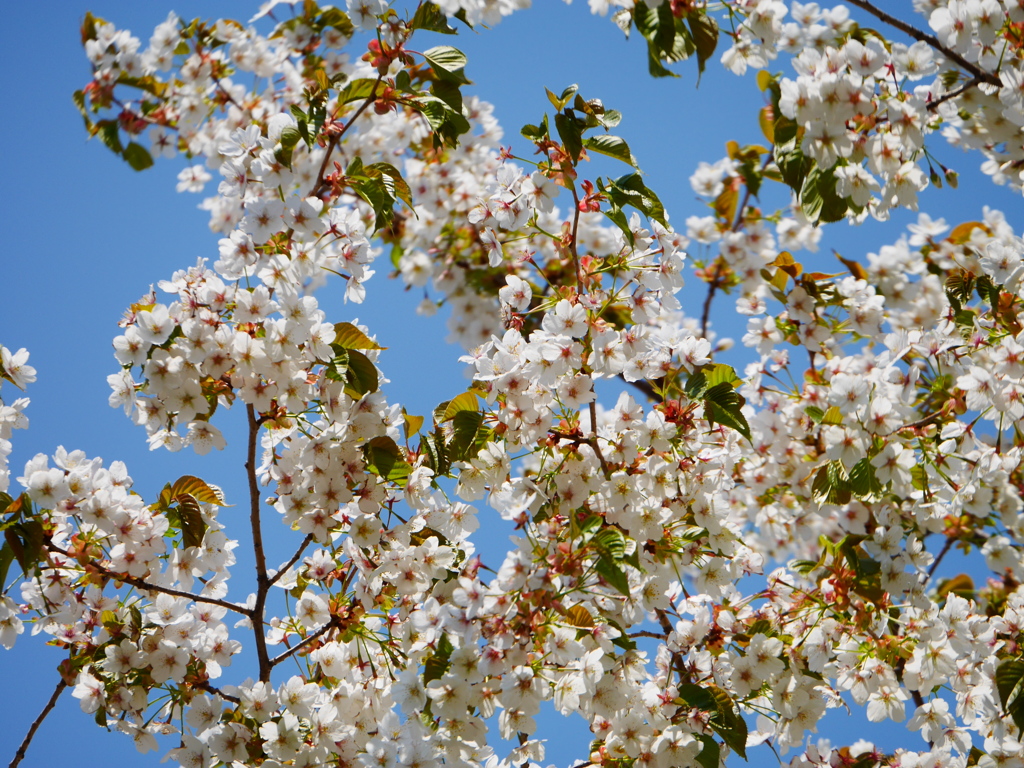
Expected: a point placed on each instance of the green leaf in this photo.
(468, 435)
(790, 159)
(382, 455)
(720, 373)
(447, 63)
(437, 455)
(333, 17)
(348, 336)
(537, 132)
(610, 543)
(734, 735)
(863, 481)
(396, 186)
(148, 83)
(79, 99)
(412, 425)
(357, 90)
(6, 558)
(430, 17)
(378, 195)
(656, 27)
(571, 134)
(818, 197)
(697, 697)
(831, 485)
(1009, 679)
(722, 404)
(815, 413)
(25, 540)
(6, 500)
(199, 489)
(290, 138)
(466, 401)
(448, 92)
(446, 123)
(361, 376)
(610, 571)
(696, 385)
(190, 517)
(108, 133)
(439, 662)
(710, 753)
(832, 416)
(723, 394)
(559, 102)
(612, 146)
(704, 30)
(729, 417)
(631, 190)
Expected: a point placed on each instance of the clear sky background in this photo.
(85, 236)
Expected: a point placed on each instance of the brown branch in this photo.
(20, 754)
(227, 95)
(213, 689)
(306, 641)
(284, 569)
(720, 264)
(972, 83)
(143, 584)
(938, 558)
(930, 40)
(572, 240)
(594, 439)
(647, 633)
(262, 581)
(579, 439)
(336, 139)
(922, 422)
(712, 288)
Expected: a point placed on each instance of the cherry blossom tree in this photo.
(708, 561)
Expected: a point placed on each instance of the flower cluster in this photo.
(711, 563)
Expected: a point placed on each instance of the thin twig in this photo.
(143, 584)
(938, 558)
(336, 139)
(306, 641)
(213, 689)
(284, 569)
(572, 240)
(714, 285)
(647, 633)
(224, 90)
(921, 422)
(578, 439)
(262, 581)
(20, 754)
(972, 83)
(706, 310)
(930, 40)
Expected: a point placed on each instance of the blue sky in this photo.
(86, 236)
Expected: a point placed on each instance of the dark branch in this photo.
(335, 140)
(306, 641)
(262, 582)
(938, 558)
(213, 689)
(932, 41)
(143, 584)
(20, 754)
(972, 83)
(284, 568)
